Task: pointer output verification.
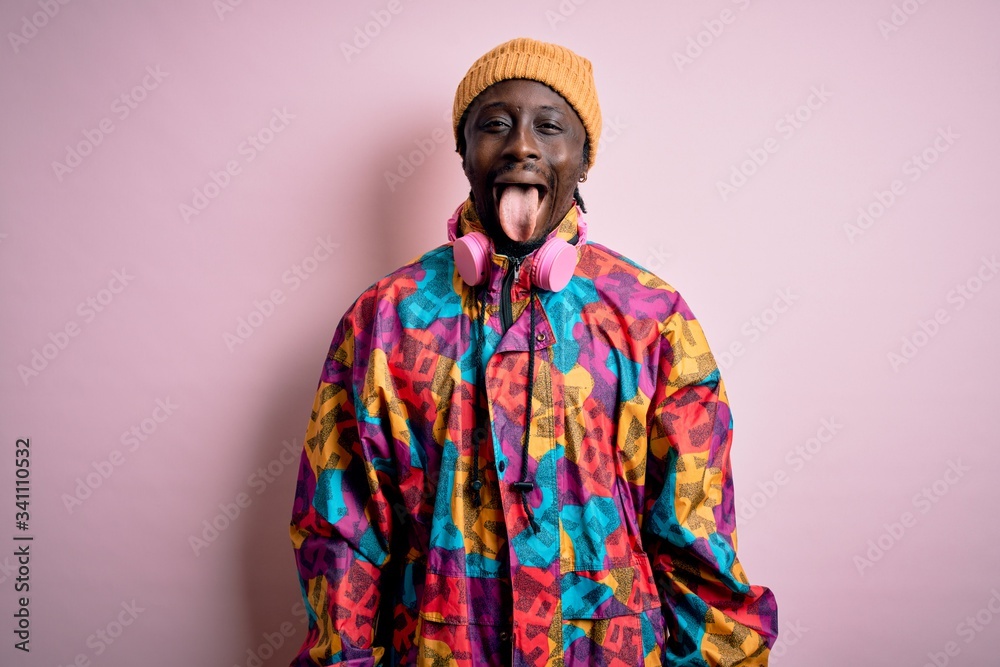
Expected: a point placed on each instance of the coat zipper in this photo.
(509, 278)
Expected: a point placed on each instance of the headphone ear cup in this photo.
(472, 257)
(554, 265)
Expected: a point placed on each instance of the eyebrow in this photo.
(501, 103)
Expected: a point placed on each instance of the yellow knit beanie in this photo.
(556, 66)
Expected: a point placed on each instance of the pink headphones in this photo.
(551, 270)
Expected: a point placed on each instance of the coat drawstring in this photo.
(479, 429)
(525, 485)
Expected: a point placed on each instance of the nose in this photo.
(521, 143)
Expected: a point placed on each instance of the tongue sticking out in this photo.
(518, 211)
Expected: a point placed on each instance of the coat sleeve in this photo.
(714, 617)
(342, 514)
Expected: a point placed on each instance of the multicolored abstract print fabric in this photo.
(621, 552)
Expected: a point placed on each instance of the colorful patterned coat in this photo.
(624, 551)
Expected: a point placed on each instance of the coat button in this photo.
(501, 466)
(504, 636)
(540, 337)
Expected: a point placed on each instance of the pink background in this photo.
(866, 571)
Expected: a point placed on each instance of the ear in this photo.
(460, 146)
(585, 159)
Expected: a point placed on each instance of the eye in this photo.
(549, 127)
(493, 124)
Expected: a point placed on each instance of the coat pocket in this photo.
(613, 616)
(465, 600)
(464, 621)
(608, 593)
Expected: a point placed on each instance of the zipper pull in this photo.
(517, 268)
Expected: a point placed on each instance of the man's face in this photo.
(523, 158)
